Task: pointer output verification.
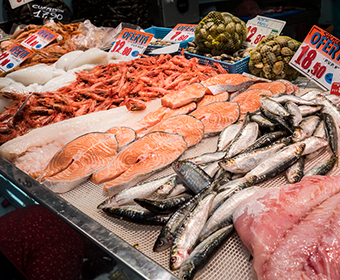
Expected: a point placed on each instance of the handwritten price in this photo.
(119, 46)
(252, 30)
(305, 59)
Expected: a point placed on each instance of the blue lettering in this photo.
(126, 35)
(321, 42)
(324, 49)
(315, 38)
(333, 50)
(145, 39)
(137, 36)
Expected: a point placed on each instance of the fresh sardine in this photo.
(207, 158)
(295, 172)
(323, 167)
(166, 188)
(262, 121)
(295, 113)
(292, 98)
(306, 110)
(228, 134)
(306, 128)
(313, 144)
(273, 107)
(276, 119)
(329, 107)
(332, 132)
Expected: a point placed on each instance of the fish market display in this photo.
(276, 87)
(77, 160)
(291, 230)
(148, 154)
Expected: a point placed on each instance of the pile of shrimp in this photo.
(129, 83)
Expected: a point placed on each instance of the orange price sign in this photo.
(181, 32)
(13, 57)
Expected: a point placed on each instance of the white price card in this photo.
(17, 3)
(259, 27)
(318, 58)
(39, 39)
(13, 57)
(181, 32)
(131, 43)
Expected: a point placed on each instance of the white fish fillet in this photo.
(31, 152)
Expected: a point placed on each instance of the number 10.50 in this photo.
(305, 59)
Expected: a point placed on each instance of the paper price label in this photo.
(55, 14)
(17, 3)
(13, 57)
(318, 58)
(335, 88)
(181, 32)
(259, 27)
(131, 43)
(39, 39)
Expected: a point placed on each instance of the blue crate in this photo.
(237, 67)
(160, 33)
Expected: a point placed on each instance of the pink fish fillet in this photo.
(264, 220)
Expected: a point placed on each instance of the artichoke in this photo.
(220, 32)
(270, 59)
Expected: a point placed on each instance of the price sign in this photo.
(17, 3)
(131, 43)
(318, 58)
(335, 88)
(181, 32)
(13, 57)
(43, 12)
(39, 39)
(259, 27)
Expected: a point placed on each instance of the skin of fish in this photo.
(245, 138)
(322, 168)
(335, 99)
(321, 130)
(292, 98)
(190, 231)
(228, 134)
(277, 163)
(223, 215)
(295, 172)
(166, 188)
(245, 162)
(306, 110)
(265, 140)
(133, 214)
(194, 177)
(332, 132)
(178, 189)
(313, 144)
(276, 119)
(169, 230)
(207, 157)
(262, 121)
(311, 95)
(139, 191)
(306, 128)
(211, 168)
(273, 107)
(203, 252)
(329, 107)
(295, 113)
(164, 206)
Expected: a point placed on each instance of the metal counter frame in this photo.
(113, 245)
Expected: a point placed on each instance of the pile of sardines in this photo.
(195, 204)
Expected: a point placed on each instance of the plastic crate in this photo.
(237, 67)
(160, 33)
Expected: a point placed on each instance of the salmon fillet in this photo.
(124, 135)
(290, 87)
(275, 87)
(139, 160)
(293, 230)
(216, 116)
(227, 82)
(191, 93)
(249, 100)
(223, 96)
(189, 127)
(78, 159)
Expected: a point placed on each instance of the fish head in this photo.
(163, 242)
(107, 203)
(178, 257)
(186, 270)
(298, 135)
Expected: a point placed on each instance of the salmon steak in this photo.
(139, 160)
(207, 99)
(191, 93)
(275, 87)
(216, 116)
(249, 100)
(77, 160)
(124, 135)
(227, 82)
(188, 126)
(292, 231)
(161, 113)
(290, 87)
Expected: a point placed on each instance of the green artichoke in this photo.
(220, 32)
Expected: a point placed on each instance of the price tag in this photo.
(335, 88)
(259, 27)
(181, 32)
(39, 39)
(17, 3)
(43, 12)
(318, 58)
(13, 57)
(131, 43)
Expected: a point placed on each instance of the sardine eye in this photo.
(160, 242)
(173, 259)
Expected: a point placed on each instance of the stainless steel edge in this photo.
(113, 245)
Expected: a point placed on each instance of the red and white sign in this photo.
(39, 39)
(259, 27)
(335, 88)
(13, 57)
(318, 58)
(181, 32)
(17, 3)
